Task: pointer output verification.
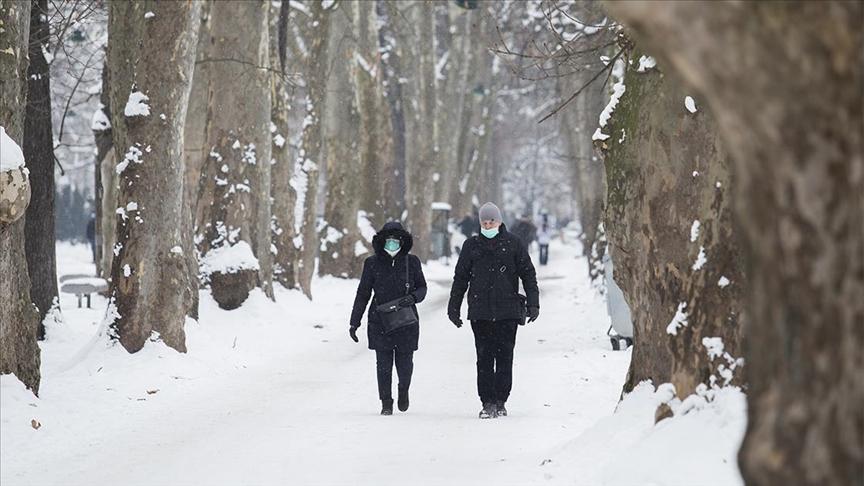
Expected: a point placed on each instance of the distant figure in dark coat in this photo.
(544, 237)
(489, 268)
(525, 231)
(469, 226)
(91, 235)
(384, 274)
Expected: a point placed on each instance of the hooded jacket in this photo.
(383, 280)
(489, 271)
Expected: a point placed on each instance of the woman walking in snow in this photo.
(396, 279)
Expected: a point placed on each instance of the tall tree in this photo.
(39, 153)
(785, 84)
(422, 166)
(305, 179)
(670, 230)
(391, 79)
(339, 234)
(149, 276)
(282, 165)
(19, 320)
(233, 217)
(106, 179)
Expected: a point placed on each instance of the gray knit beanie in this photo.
(489, 211)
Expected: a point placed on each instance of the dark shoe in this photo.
(387, 407)
(403, 400)
(502, 412)
(488, 411)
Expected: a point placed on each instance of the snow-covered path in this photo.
(278, 394)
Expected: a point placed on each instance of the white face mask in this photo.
(392, 253)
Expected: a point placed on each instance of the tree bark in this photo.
(391, 75)
(785, 82)
(234, 203)
(339, 234)
(310, 155)
(149, 276)
(105, 176)
(19, 319)
(668, 203)
(39, 154)
(420, 191)
(282, 168)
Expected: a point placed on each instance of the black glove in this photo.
(454, 318)
(533, 313)
(406, 301)
(353, 332)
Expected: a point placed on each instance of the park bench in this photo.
(82, 285)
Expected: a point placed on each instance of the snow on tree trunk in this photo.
(785, 83)
(339, 234)
(282, 168)
(234, 202)
(668, 203)
(305, 180)
(39, 153)
(19, 319)
(149, 276)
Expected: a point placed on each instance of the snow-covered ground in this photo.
(276, 393)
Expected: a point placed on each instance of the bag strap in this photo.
(407, 277)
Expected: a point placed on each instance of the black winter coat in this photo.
(384, 276)
(489, 270)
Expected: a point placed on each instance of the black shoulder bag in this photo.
(394, 316)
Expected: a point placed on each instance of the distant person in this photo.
(544, 237)
(525, 230)
(489, 268)
(396, 279)
(469, 226)
(91, 236)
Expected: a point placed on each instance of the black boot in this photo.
(387, 407)
(403, 400)
(488, 411)
(502, 412)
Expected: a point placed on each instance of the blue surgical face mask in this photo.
(392, 246)
(489, 233)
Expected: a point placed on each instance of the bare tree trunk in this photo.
(339, 234)
(19, 320)
(670, 231)
(195, 150)
(105, 187)
(39, 153)
(306, 170)
(150, 277)
(795, 136)
(420, 191)
(364, 76)
(391, 75)
(233, 216)
(282, 168)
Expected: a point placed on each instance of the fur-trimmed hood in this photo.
(392, 229)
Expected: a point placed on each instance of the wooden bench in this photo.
(82, 285)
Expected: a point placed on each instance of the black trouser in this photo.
(544, 254)
(494, 342)
(404, 368)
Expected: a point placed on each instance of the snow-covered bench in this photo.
(82, 285)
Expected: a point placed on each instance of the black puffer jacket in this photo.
(492, 268)
(385, 276)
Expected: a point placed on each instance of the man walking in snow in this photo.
(489, 268)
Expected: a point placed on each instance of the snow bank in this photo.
(11, 156)
(229, 259)
(698, 447)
